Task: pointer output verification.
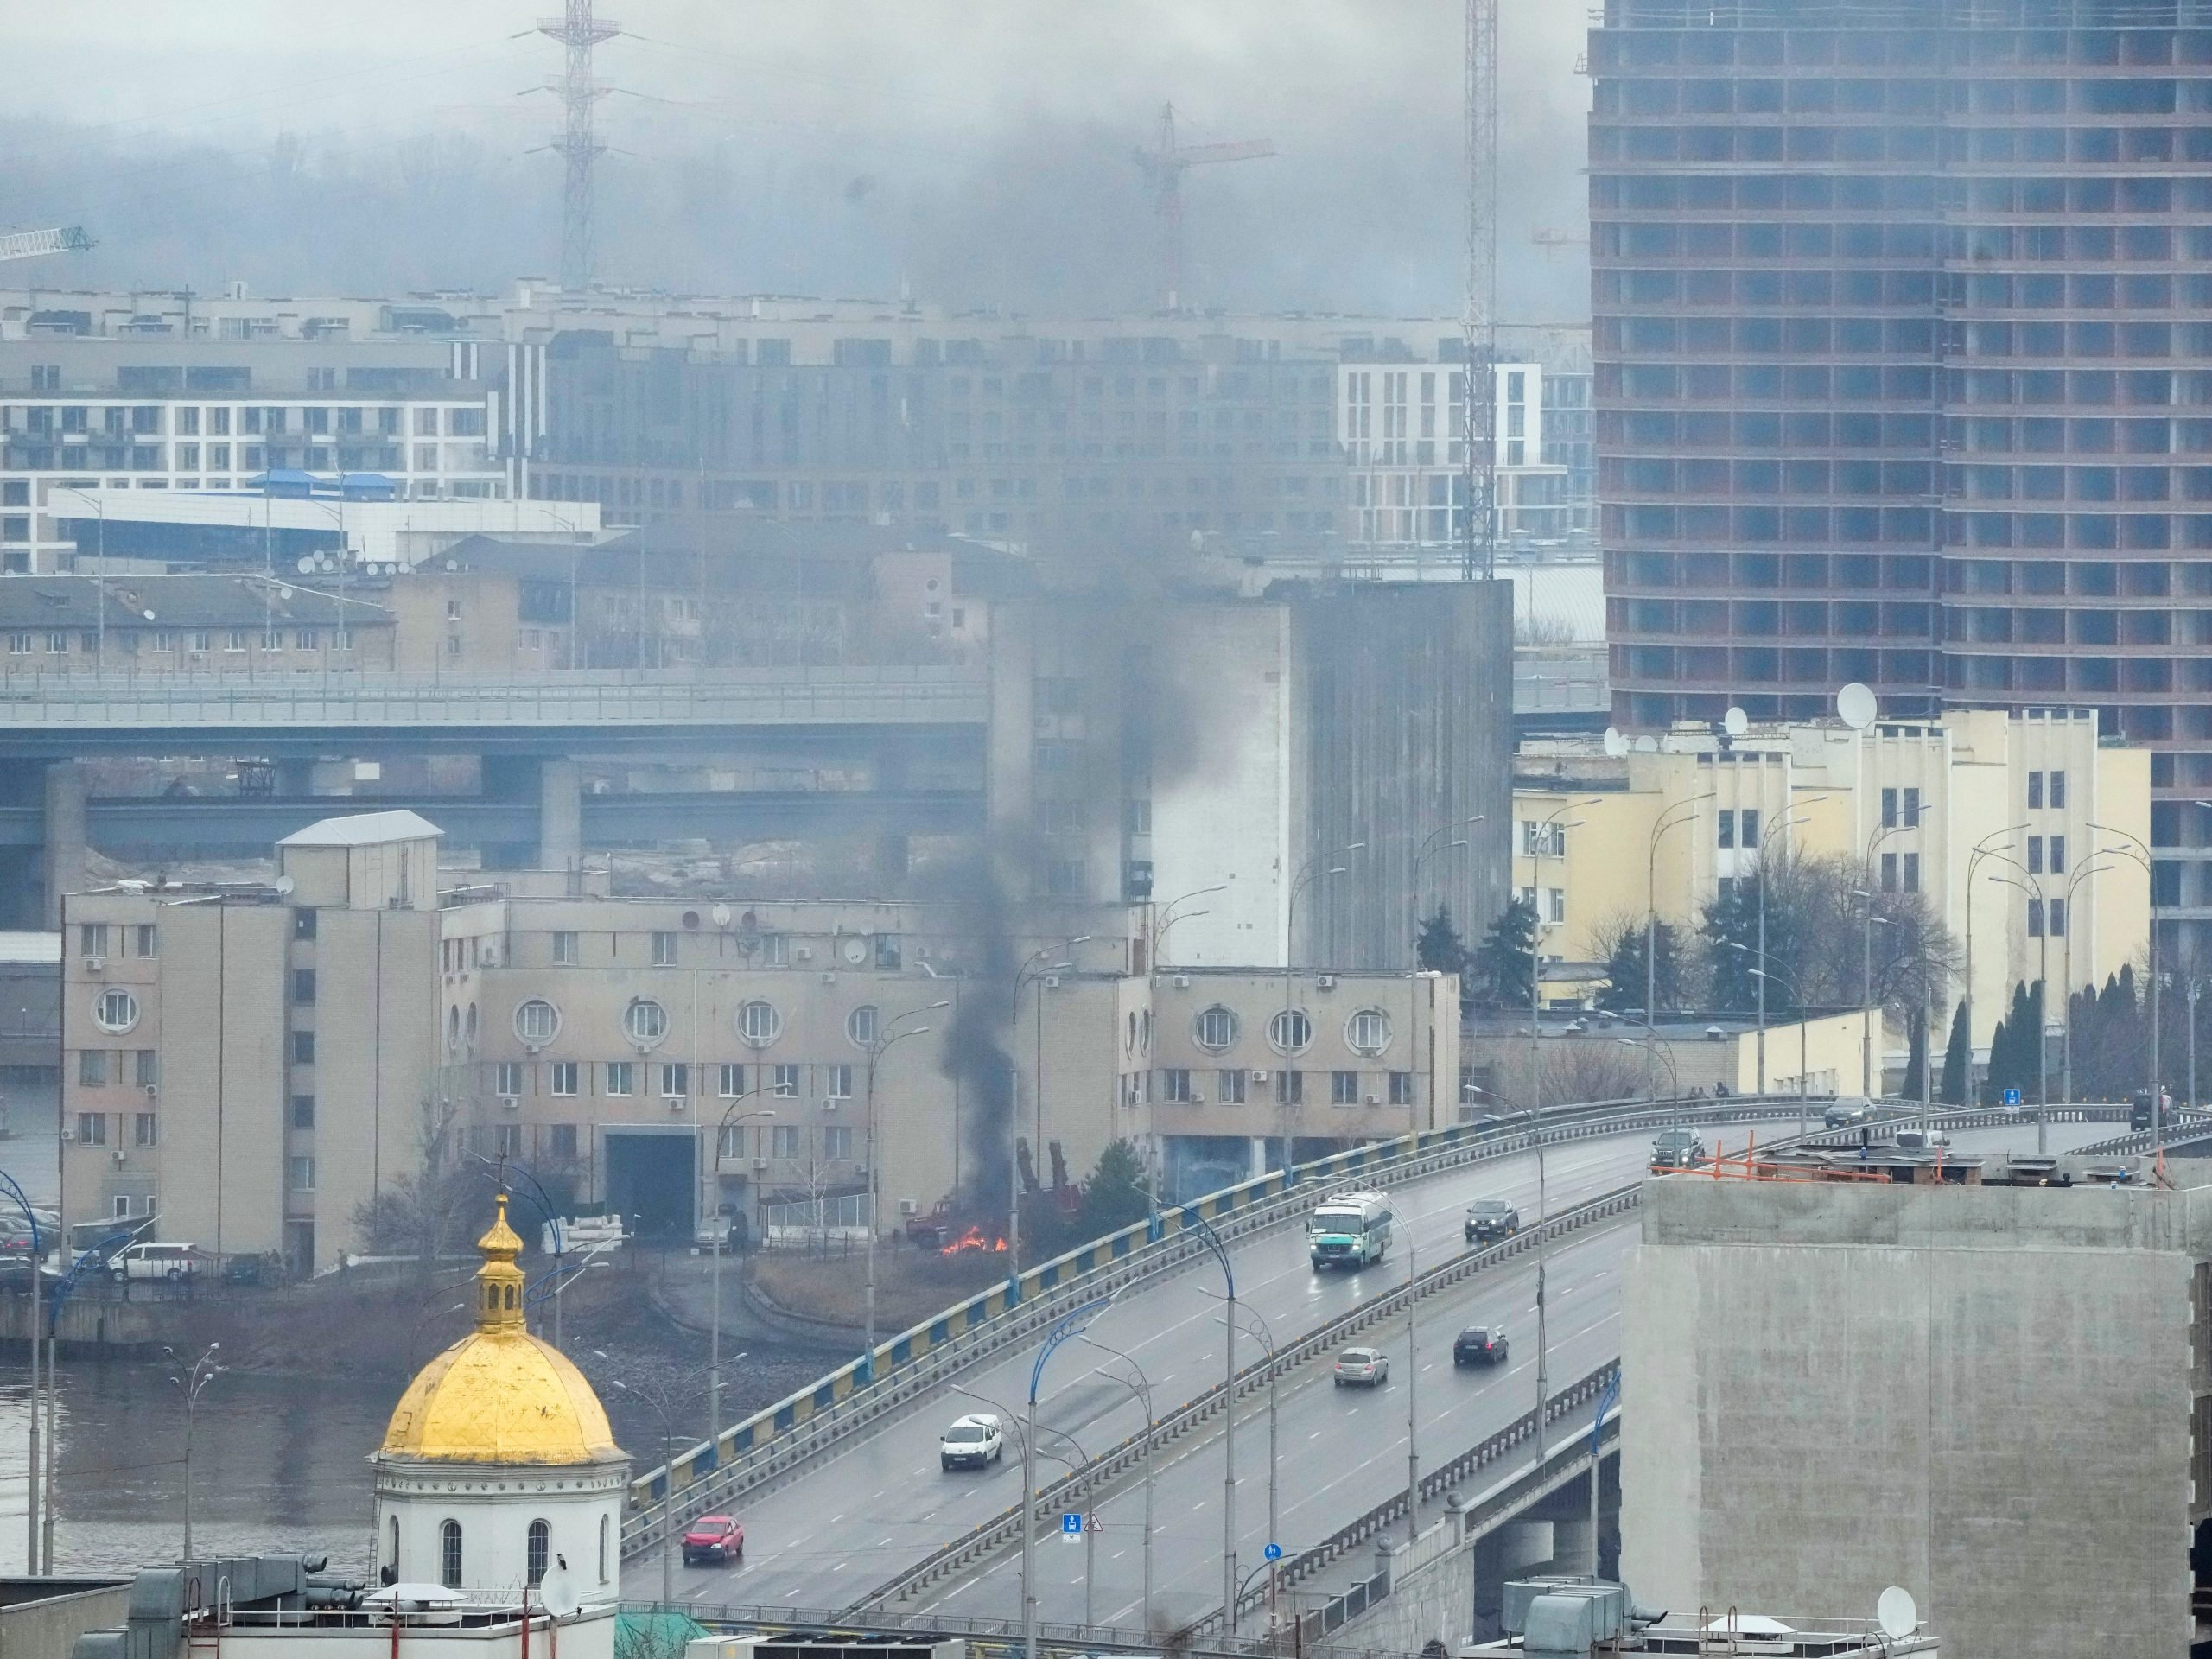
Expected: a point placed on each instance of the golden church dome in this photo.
(500, 1394)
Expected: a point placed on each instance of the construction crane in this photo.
(1164, 163)
(30, 244)
(1551, 240)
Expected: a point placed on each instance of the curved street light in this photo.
(886, 1038)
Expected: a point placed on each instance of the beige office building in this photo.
(2040, 794)
(253, 1062)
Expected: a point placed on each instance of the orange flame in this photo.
(974, 1239)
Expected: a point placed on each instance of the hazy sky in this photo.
(979, 151)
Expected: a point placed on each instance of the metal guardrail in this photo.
(777, 1442)
(1064, 1493)
(921, 695)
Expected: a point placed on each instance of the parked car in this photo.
(254, 1271)
(173, 1262)
(1368, 1367)
(1677, 1149)
(971, 1442)
(713, 1538)
(1479, 1344)
(1489, 1219)
(18, 1274)
(1842, 1116)
(1922, 1140)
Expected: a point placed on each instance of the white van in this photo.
(171, 1261)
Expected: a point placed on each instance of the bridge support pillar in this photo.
(892, 849)
(296, 776)
(560, 815)
(62, 866)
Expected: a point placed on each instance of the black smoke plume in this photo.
(975, 1043)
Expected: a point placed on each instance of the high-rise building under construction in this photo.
(1904, 342)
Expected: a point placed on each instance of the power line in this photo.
(579, 31)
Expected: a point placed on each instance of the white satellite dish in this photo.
(283, 591)
(1647, 746)
(282, 884)
(557, 1593)
(148, 615)
(1616, 745)
(720, 914)
(1896, 1612)
(1735, 722)
(304, 564)
(1855, 707)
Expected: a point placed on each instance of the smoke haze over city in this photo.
(965, 153)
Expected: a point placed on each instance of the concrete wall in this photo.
(1408, 731)
(1981, 1394)
(41, 1618)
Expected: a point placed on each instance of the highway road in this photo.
(826, 1540)
(1342, 1451)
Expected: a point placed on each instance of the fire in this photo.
(973, 1239)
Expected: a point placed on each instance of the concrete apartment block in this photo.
(1984, 1394)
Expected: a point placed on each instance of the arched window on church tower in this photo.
(450, 1555)
(541, 1549)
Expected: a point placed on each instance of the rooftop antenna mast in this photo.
(579, 30)
(1479, 519)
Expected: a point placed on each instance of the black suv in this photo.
(1479, 1344)
(1491, 1218)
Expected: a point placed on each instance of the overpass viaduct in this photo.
(875, 1528)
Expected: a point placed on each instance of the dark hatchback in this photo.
(1491, 1218)
(1479, 1344)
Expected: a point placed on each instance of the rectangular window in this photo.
(1401, 1088)
(1889, 809)
(2035, 918)
(2035, 855)
(303, 1111)
(303, 1176)
(618, 1076)
(303, 987)
(92, 1067)
(1889, 872)
(561, 1078)
(149, 940)
(1343, 1087)
(675, 1079)
(506, 1077)
(92, 1128)
(1912, 871)
(2035, 789)
(1556, 904)
(303, 1048)
(837, 1143)
(783, 1140)
(732, 1083)
(2057, 792)
(787, 1081)
(92, 938)
(147, 1069)
(1290, 1088)
(663, 949)
(145, 1129)
(2058, 918)
(1175, 1085)
(1912, 809)
(1232, 1088)
(2058, 854)
(564, 949)
(841, 1082)
(1727, 825)
(561, 1140)
(1749, 825)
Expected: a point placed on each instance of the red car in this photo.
(714, 1538)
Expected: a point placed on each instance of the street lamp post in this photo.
(1667, 821)
(1034, 970)
(2033, 887)
(190, 1381)
(884, 1040)
(1804, 1058)
(1882, 833)
(1167, 918)
(1308, 872)
(667, 1490)
(1228, 1422)
(731, 1118)
(1980, 850)
(1071, 1327)
(2081, 877)
(15, 1194)
(1140, 1388)
(2141, 854)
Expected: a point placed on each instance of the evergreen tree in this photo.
(1503, 965)
(1956, 1057)
(1114, 1197)
(1626, 965)
(1992, 1083)
(1439, 948)
(1915, 1062)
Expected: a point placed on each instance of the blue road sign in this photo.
(2011, 1097)
(1273, 1551)
(1071, 1524)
